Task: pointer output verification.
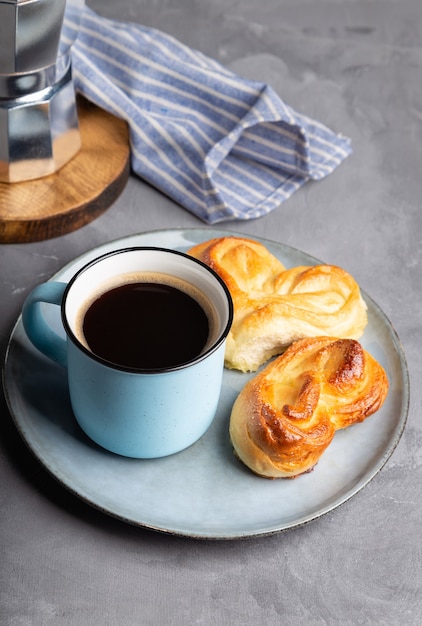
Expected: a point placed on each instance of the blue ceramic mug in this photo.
(144, 412)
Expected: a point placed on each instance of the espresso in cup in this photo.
(144, 339)
(147, 321)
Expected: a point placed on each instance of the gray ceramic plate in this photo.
(202, 492)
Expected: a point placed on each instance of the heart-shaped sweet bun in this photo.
(275, 306)
(287, 415)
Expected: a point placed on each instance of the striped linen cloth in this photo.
(223, 147)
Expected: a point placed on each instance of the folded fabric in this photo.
(223, 147)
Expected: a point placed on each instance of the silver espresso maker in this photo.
(39, 130)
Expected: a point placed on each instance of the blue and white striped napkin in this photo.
(223, 147)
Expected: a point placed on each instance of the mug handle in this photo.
(38, 331)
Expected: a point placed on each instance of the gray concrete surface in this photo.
(356, 66)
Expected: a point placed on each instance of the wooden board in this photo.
(79, 192)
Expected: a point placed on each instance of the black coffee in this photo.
(146, 325)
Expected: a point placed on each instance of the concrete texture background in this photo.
(357, 67)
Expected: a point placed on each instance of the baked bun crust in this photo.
(275, 306)
(287, 415)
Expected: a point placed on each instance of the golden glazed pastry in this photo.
(274, 306)
(286, 416)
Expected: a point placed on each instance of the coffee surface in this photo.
(146, 325)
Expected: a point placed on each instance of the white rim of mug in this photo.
(116, 366)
